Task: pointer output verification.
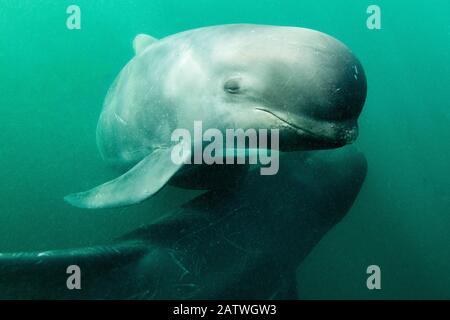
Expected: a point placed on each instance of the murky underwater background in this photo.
(53, 82)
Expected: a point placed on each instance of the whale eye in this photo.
(232, 86)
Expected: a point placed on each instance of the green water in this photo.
(53, 82)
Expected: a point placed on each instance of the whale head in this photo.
(303, 82)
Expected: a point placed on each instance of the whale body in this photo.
(243, 244)
(302, 82)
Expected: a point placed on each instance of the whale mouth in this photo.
(315, 139)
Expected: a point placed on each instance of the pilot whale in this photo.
(302, 82)
(242, 244)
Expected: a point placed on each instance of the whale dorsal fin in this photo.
(142, 41)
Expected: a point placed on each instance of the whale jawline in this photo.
(327, 140)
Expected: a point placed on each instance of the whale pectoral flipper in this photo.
(140, 182)
(43, 275)
(141, 42)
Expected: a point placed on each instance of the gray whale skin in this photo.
(304, 83)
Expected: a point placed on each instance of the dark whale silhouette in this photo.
(244, 243)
